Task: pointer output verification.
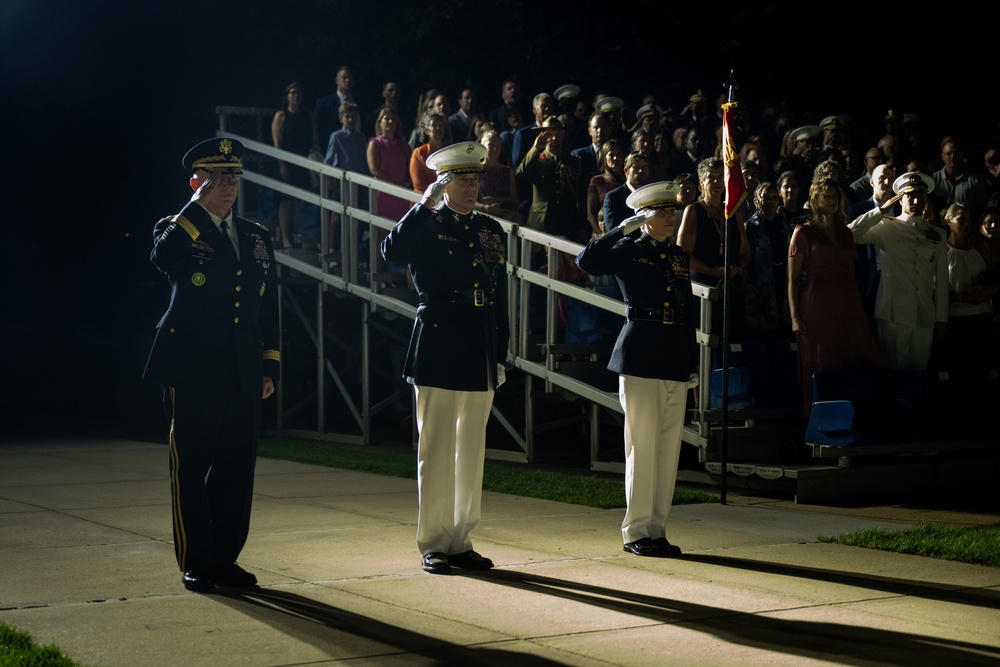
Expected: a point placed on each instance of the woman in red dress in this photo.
(827, 316)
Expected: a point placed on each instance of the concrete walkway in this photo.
(88, 565)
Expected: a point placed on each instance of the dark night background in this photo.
(103, 98)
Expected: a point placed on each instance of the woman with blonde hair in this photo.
(828, 319)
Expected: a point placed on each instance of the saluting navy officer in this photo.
(457, 350)
(911, 305)
(653, 357)
(216, 355)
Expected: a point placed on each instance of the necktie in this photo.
(224, 228)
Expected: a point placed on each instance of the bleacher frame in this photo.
(755, 437)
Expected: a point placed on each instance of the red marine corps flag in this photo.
(736, 187)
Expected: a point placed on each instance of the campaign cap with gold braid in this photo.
(466, 157)
(654, 197)
(913, 180)
(218, 154)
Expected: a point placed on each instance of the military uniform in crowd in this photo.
(912, 298)
(457, 350)
(216, 355)
(653, 357)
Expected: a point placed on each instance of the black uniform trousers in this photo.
(213, 452)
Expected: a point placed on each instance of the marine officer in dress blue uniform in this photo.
(653, 357)
(216, 355)
(457, 349)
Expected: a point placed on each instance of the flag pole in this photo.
(735, 193)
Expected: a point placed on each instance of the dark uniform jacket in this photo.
(456, 261)
(657, 339)
(616, 211)
(222, 322)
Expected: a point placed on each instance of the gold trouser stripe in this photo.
(188, 227)
(180, 536)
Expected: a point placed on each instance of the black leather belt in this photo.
(661, 315)
(473, 297)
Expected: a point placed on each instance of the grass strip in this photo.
(586, 490)
(18, 649)
(978, 545)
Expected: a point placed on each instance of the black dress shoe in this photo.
(197, 581)
(232, 577)
(470, 560)
(643, 547)
(667, 550)
(435, 562)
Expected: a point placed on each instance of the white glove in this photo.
(636, 221)
(501, 375)
(432, 195)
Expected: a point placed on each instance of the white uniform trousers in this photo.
(907, 348)
(450, 454)
(654, 418)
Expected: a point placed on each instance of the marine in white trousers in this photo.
(654, 417)
(450, 453)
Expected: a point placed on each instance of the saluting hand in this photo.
(886, 207)
(432, 195)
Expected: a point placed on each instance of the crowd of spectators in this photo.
(565, 161)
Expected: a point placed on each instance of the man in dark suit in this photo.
(457, 350)
(653, 357)
(636, 175)
(461, 120)
(600, 131)
(216, 355)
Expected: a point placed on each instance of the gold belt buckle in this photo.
(668, 315)
(479, 297)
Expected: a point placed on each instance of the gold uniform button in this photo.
(236, 320)
(467, 228)
(475, 263)
(475, 284)
(239, 287)
(663, 255)
(669, 288)
(471, 244)
(237, 304)
(240, 272)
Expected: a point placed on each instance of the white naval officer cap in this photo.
(655, 196)
(806, 132)
(648, 110)
(913, 180)
(606, 104)
(466, 157)
(567, 91)
(830, 123)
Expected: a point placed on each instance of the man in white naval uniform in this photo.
(911, 307)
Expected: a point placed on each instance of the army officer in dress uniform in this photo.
(653, 357)
(457, 349)
(216, 355)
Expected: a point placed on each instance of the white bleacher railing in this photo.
(358, 276)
